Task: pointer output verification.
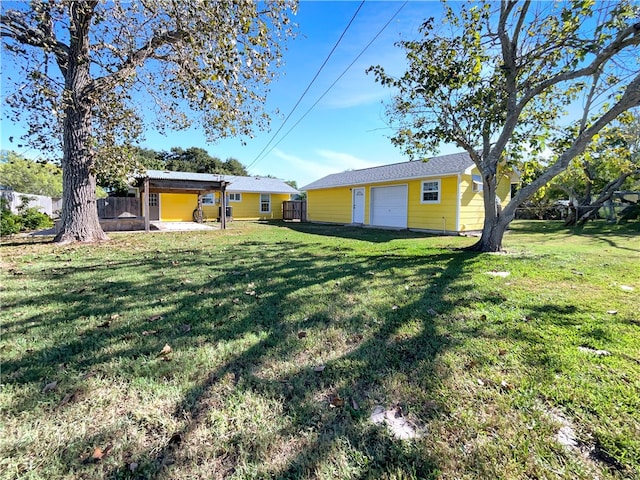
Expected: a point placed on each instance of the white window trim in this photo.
(212, 196)
(476, 184)
(233, 200)
(260, 203)
(430, 202)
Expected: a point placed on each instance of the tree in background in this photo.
(498, 83)
(198, 160)
(610, 163)
(84, 66)
(26, 176)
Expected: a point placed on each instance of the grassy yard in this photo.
(263, 351)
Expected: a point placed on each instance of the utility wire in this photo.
(308, 86)
(332, 85)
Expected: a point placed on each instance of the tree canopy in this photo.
(92, 74)
(498, 80)
(27, 176)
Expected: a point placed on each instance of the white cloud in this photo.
(340, 161)
(307, 170)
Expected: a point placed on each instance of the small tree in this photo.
(498, 83)
(86, 65)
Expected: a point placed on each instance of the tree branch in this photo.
(14, 25)
(135, 60)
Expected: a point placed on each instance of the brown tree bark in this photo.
(79, 213)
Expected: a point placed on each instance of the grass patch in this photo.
(284, 338)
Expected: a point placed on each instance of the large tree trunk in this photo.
(79, 213)
(496, 221)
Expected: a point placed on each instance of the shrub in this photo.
(9, 222)
(28, 218)
(33, 219)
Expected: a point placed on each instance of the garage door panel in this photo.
(389, 206)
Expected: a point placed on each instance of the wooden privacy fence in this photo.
(113, 207)
(294, 210)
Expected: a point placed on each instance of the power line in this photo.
(308, 86)
(330, 86)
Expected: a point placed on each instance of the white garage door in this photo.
(389, 206)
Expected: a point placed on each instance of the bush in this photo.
(28, 218)
(33, 219)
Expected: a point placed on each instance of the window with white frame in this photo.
(477, 183)
(265, 203)
(431, 192)
(235, 197)
(209, 199)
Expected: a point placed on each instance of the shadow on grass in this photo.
(221, 307)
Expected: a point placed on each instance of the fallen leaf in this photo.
(502, 351)
(335, 401)
(106, 324)
(166, 350)
(302, 334)
(153, 318)
(354, 404)
(431, 311)
(612, 312)
(626, 288)
(483, 318)
(506, 386)
(149, 332)
(115, 316)
(236, 300)
(185, 328)
(133, 466)
(50, 386)
(395, 307)
(251, 293)
(319, 368)
(97, 454)
(176, 439)
(480, 382)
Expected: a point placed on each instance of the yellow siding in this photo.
(472, 203)
(332, 205)
(249, 207)
(177, 207)
(433, 216)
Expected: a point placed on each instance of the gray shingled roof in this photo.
(236, 183)
(258, 185)
(434, 167)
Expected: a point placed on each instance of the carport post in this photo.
(223, 205)
(145, 203)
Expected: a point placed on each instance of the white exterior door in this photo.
(389, 206)
(358, 206)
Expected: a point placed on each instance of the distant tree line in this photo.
(192, 159)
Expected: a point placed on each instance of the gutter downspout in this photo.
(459, 203)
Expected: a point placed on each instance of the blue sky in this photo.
(348, 128)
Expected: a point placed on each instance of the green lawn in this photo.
(285, 338)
